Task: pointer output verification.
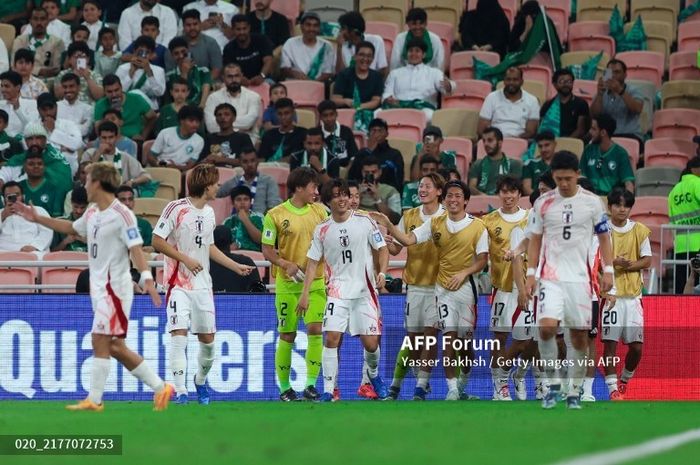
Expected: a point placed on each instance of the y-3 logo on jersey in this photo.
(567, 217)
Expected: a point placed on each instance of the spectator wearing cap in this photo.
(417, 23)
(36, 188)
(535, 168)
(621, 100)
(432, 140)
(352, 34)
(16, 233)
(57, 169)
(141, 75)
(416, 85)
(263, 188)
(20, 110)
(409, 196)
(47, 48)
(71, 107)
(307, 56)
(125, 194)
(390, 159)
(484, 173)
(338, 138)
(217, 22)
(131, 18)
(32, 86)
(137, 115)
(78, 61)
(63, 134)
(72, 242)
(514, 111)
(225, 280)
(9, 145)
(250, 50)
(245, 224)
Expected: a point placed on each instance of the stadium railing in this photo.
(667, 240)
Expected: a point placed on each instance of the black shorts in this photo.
(595, 316)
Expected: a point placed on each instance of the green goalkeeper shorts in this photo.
(286, 305)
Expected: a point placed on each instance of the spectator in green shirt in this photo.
(484, 173)
(125, 194)
(179, 93)
(246, 225)
(409, 198)
(432, 139)
(137, 114)
(9, 145)
(604, 162)
(72, 242)
(534, 168)
(38, 190)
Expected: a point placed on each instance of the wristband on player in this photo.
(145, 276)
(608, 269)
(530, 272)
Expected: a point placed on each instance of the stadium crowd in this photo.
(158, 87)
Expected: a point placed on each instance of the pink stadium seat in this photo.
(305, 94)
(585, 89)
(689, 36)
(559, 12)
(289, 8)
(405, 123)
(446, 32)
(668, 152)
(388, 32)
(480, 205)
(263, 90)
(62, 275)
(222, 208)
(462, 63)
(683, 65)
(510, 8)
(463, 148)
(279, 173)
(17, 275)
(513, 147)
(469, 93)
(346, 116)
(632, 147)
(655, 242)
(591, 35)
(644, 65)
(359, 139)
(540, 73)
(650, 210)
(679, 123)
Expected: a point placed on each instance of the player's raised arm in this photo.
(29, 213)
(405, 239)
(219, 257)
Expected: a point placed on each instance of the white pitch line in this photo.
(629, 453)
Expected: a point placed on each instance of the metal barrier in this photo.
(672, 262)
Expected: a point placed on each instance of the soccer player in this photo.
(624, 320)
(287, 232)
(506, 228)
(462, 250)
(561, 226)
(111, 232)
(185, 235)
(346, 241)
(420, 274)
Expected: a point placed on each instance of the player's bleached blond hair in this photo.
(106, 174)
(201, 177)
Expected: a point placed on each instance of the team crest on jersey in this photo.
(612, 164)
(132, 233)
(44, 198)
(436, 237)
(189, 149)
(567, 217)
(344, 241)
(285, 227)
(199, 224)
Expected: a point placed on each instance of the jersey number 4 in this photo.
(198, 241)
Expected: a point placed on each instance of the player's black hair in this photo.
(223, 106)
(460, 185)
(145, 41)
(564, 160)
(110, 80)
(70, 77)
(353, 21)
(545, 135)
(562, 72)
(24, 54)
(284, 103)
(190, 112)
(586, 184)
(427, 160)
(9, 184)
(300, 178)
(494, 130)
(548, 180)
(192, 13)
(509, 182)
(150, 21)
(107, 126)
(327, 189)
(606, 123)
(177, 42)
(621, 196)
(12, 76)
(416, 14)
(326, 105)
(240, 18)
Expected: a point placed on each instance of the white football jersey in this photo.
(110, 234)
(191, 231)
(347, 250)
(567, 226)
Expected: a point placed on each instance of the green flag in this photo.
(635, 39)
(689, 11)
(588, 69)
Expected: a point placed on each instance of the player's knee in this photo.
(548, 332)
(635, 348)
(288, 337)
(116, 348)
(332, 340)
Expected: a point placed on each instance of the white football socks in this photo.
(205, 360)
(548, 353)
(178, 363)
(329, 364)
(149, 377)
(98, 377)
(372, 361)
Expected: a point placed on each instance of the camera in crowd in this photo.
(369, 178)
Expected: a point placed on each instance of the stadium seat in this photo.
(149, 208)
(656, 250)
(479, 205)
(678, 123)
(279, 172)
(387, 31)
(668, 152)
(392, 11)
(576, 58)
(659, 36)
(464, 149)
(586, 90)
(289, 8)
(406, 123)
(329, 10)
(512, 147)
(306, 118)
(17, 275)
(632, 148)
(649, 92)
(469, 93)
(446, 32)
(448, 11)
(571, 144)
(591, 35)
(536, 88)
(559, 12)
(146, 150)
(7, 34)
(683, 65)
(656, 181)
(305, 94)
(360, 139)
(170, 180)
(598, 10)
(407, 148)
(263, 90)
(541, 74)
(346, 116)
(457, 122)
(222, 208)
(462, 63)
(510, 8)
(62, 274)
(650, 210)
(656, 10)
(689, 36)
(644, 65)
(681, 94)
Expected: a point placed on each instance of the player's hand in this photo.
(508, 255)
(381, 281)
(193, 265)
(606, 283)
(622, 263)
(530, 284)
(381, 218)
(150, 288)
(28, 248)
(291, 269)
(610, 301)
(303, 305)
(243, 270)
(523, 299)
(25, 211)
(456, 281)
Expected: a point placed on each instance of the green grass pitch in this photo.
(357, 432)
